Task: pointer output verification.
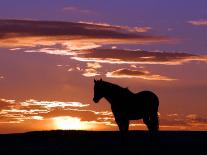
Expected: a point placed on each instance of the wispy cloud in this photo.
(200, 22)
(73, 9)
(146, 75)
(118, 27)
(53, 51)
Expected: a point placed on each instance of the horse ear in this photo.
(101, 79)
(94, 80)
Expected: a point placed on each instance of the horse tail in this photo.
(155, 122)
(154, 117)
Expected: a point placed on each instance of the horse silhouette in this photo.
(127, 106)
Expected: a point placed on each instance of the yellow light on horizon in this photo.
(69, 123)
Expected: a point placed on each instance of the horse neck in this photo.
(112, 93)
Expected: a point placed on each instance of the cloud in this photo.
(91, 69)
(140, 29)
(184, 122)
(194, 118)
(94, 65)
(13, 112)
(53, 51)
(201, 22)
(6, 102)
(90, 73)
(119, 56)
(52, 104)
(73, 9)
(118, 27)
(1, 77)
(146, 75)
(15, 49)
(74, 36)
(16, 112)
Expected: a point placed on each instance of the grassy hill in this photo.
(103, 143)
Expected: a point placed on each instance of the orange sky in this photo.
(47, 71)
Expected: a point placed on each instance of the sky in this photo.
(51, 51)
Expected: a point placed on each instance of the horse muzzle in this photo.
(95, 100)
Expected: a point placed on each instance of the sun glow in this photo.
(69, 123)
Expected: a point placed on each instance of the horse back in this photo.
(146, 96)
(135, 106)
(141, 104)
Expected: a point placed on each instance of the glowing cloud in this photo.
(91, 69)
(52, 104)
(94, 65)
(18, 112)
(90, 73)
(78, 118)
(7, 101)
(146, 75)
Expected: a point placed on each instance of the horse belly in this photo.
(135, 111)
(135, 116)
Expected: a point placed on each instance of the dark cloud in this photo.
(31, 33)
(120, 56)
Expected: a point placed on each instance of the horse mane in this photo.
(118, 88)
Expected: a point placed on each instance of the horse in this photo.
(127, 105)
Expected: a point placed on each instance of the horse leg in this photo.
(152, 123)
(124, 130)
(149, 125)
(123, 125)
(151, 120)
(147, 122)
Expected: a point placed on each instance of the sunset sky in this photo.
(51, 50)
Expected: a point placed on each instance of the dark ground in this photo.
(103, 143)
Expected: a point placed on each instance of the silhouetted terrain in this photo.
(100, 142)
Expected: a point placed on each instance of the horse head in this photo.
(98, 91)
